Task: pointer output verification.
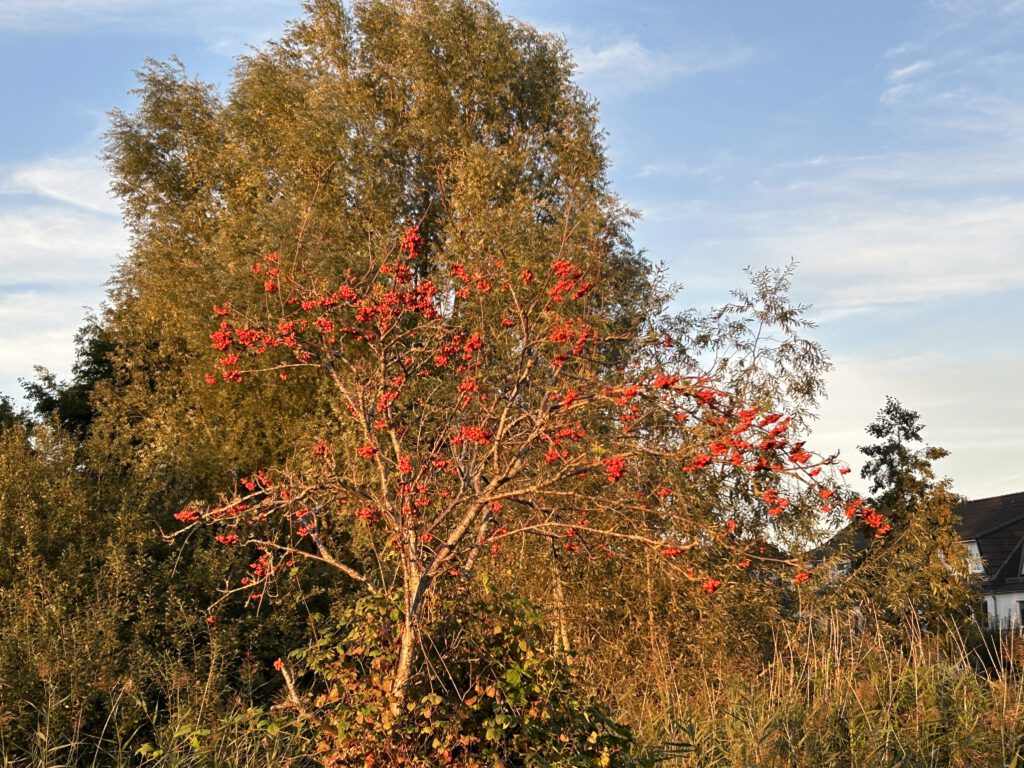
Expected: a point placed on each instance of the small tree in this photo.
(920, 569)
(481, 401)
(900, 472)
(70, 402)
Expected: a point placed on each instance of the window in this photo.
(974, 561)
(1020, 612)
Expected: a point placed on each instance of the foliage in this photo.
(838, 694)
(442, 338)
(900, 475)
(103, 624)
(70, 402)
(924, 540)
(9, 416)
(494, 691)
(756, 345)
(452, 432)
(62, 637)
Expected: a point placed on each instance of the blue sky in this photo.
(879, 144)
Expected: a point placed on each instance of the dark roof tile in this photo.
(984, 516)
(997, 524)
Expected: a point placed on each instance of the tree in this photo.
(9, 416)
(900, 473)
(924, 540)
(71, 402)
(493, 403)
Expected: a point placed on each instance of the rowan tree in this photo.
(477, 401)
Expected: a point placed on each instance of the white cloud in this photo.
(57, 253)
(41, 329)
(910, 46)
(40, 14)
(673, 210)
(225, 26)
(870, 258)
(671, 169)
(966, 76)
(54, 263)
(903, 73)
(896, 93)
(974, 8)
(48, 245)
(869, 232)
(628, 66)
(863, 254)
(82, 182)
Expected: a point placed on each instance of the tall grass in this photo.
(839, 694)
(238, 735)
(834, 693)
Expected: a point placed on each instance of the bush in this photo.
(492, 693)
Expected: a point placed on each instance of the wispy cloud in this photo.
(225, 26)
(910, 70)
(36, 15)
(55, 264)
(628, 66)
(671, 169)
(60, 234)
(967, 74)
(79, 181)
(973, 8)
(674, 210)
(863, 256)
(871, 232)
(46, 245)
(908, 46)
(40, 331)
(896, 93)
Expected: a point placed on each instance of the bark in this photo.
(562, 643)
(415, 585)
(403, 673)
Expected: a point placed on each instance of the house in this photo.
(993, 532)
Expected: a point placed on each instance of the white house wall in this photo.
(1005, 607)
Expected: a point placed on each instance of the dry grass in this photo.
(833, 695)
(839, 695)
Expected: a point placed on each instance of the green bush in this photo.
(492, 691)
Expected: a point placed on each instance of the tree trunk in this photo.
(415, 585)
(562, 643)
(407, 649)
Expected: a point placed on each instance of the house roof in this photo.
(981, 517)
(1008, 577)
(849, 538)
(997, 525)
